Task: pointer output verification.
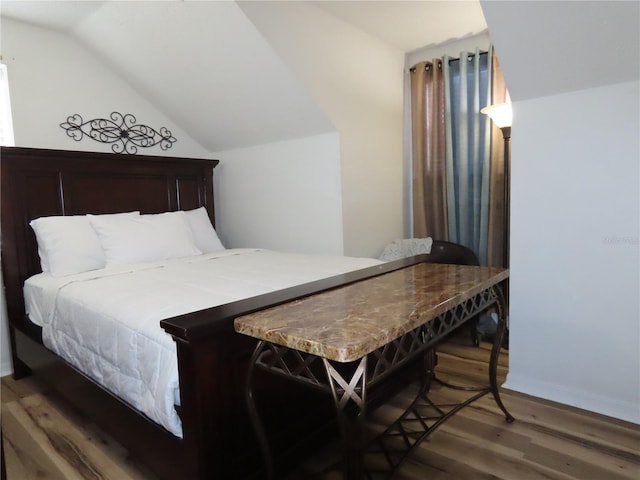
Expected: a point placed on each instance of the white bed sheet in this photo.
(106, 322)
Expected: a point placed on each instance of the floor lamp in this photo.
(501, 114)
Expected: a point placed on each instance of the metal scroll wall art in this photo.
(119, 130)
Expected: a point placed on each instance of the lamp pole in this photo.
(506, 134)
(501, 114)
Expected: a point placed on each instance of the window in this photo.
(6, 122)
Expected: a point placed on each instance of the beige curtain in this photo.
(428, 145)
(497, 209)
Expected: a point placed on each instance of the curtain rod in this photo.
(451, 60)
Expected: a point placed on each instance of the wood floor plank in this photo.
(28, 452)
(621, 466)
(559, 460)
(547, 440)
(489, 459)
(586, 427)
(76, 454)
(12, 390)
(22, 466)
(597, 451)
(421, 466)
(616, 446)
(461, 348)
(577, 455)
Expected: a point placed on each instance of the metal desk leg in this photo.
(495, 353)
(253, 414)
(350, 401)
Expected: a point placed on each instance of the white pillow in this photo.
(407, 247)
(204, 235)
(145, 238)
(68, 244)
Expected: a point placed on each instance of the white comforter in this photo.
(106, 322)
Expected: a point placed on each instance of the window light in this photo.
(6, 121)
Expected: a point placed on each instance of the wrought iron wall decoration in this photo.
(120, 130)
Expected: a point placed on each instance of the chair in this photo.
(452, 253)
(443, 251)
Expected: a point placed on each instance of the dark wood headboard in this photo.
(41, 182)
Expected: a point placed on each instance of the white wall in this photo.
(356, 80)
(282, 196)
(575, 288)
(52, 77)
(575, 261)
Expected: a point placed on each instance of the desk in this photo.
(343, 341)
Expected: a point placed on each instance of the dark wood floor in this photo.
(44, 439)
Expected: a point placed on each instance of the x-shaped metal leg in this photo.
(350, 400)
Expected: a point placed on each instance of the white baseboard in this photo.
(611, 407)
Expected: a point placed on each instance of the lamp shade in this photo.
(500, 113)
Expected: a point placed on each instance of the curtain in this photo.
(497, 199)
(458, 154)
(468, 147)
(428, 151)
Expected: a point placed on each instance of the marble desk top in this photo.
(347, 323)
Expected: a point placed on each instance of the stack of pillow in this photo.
(79, 243)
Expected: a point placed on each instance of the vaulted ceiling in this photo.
(206, 66)
(404, 24)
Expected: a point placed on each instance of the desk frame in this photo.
(347, 383)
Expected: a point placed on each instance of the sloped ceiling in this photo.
(205, 66)
(548, 48)
(410, 25)
(61, 16)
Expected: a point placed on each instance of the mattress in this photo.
(107, 322)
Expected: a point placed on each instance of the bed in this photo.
(213, 438)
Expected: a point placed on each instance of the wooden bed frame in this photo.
(217, 442)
